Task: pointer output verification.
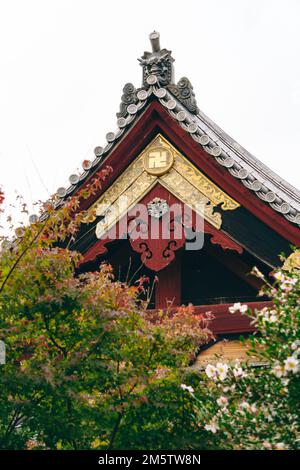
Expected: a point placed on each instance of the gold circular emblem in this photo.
(158, 161)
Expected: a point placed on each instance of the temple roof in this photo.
(179, 100)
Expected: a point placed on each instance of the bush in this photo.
(86, 368)
(248, 407)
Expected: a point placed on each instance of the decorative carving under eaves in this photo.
(184, 92)
(157, 207)
(128, 97)
(158, 252)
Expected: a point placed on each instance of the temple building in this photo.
(184, 204)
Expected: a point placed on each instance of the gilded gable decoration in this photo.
(161, 163)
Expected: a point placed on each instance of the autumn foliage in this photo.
(86, 367)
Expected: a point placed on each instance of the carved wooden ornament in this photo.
(158, 238)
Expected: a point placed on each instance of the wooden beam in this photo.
(228, 323)
(235, 264)
(168, 287)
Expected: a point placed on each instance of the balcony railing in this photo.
(225, 322)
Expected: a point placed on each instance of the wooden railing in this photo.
(225, 322)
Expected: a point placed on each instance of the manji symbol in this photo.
(158, 161)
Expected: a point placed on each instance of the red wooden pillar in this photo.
(168, 287)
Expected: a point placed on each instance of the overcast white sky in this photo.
(63, 64)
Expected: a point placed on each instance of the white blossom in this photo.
(278, 371)
(279, 276)
(238, 372)
(272, 316)
(253, 407)
(247, 407)
(267, 445)
(212, 427)
(222, 370)
(268, 316)
(291, 364)
(244, 405)
(210, 371)
(188, 388)
(280, 446)
(295, 345)
(238, 307)
(288, 284)
(222, 401)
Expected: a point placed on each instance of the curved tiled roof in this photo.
(180, 102)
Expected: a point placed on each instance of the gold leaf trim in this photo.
(182, 179)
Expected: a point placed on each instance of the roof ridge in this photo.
(256, 176)
(180, 102)
(238, 147)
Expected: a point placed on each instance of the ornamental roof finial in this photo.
(158, 63)
(154, 39)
